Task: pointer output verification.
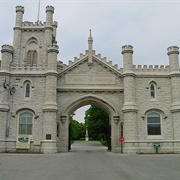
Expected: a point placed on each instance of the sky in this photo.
(150, 26)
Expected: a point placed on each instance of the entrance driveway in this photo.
(89, 161)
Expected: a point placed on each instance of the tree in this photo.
(97, 121)
(77, 129)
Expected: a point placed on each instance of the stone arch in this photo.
(27, 109)
(32, 51)
(164, 115)
(102, 103)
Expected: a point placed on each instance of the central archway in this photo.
(63, 140)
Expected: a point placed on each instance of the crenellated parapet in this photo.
(50, 9)
(7, 48)
(28, 69)
(34, 24)
(20, 9)
(127, 49)
(150, 68)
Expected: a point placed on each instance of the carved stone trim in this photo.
(63, 119)
(116, 119)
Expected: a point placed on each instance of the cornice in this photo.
(5, 73)
(51, 73)
(89, 89)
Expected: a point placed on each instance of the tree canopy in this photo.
(77, 129)
(97, 122)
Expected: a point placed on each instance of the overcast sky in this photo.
(151, 26)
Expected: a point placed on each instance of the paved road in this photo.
(89, 161)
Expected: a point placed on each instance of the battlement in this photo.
(173, 50)
(53, 48)
(50, 9)
(20, 9)
(29, 24)
(127, 49)
(151, 68)
(55, 24)
(28, 69)
(7, 48)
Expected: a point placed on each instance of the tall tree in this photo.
(77, 129)
(97, 121)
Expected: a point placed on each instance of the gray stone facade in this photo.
(145, 101)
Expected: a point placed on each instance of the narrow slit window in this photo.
(153, 90)
(27, 93)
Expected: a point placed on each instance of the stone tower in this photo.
(173, 52)
(129, 107)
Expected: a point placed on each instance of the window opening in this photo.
(153, 124)
(25, 123)
(27, 93)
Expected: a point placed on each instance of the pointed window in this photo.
(152, 90)
(27, 94)
(31, 57)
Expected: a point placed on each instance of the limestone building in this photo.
(38, 93)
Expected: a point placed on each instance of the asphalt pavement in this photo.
(89, 161)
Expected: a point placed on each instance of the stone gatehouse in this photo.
(38, 94)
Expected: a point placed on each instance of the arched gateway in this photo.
(38, 94)
(87, 99)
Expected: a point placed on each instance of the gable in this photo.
(97, 73)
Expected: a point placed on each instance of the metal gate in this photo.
(109, 138)
(69, 140)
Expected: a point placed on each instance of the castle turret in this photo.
(7, 52)
(50, 106)
(49, 15)
(129, 107)
(49, 25)
(19, 16)
(127, 52)
(173, 52)
(17, 34)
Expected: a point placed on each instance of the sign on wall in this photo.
(23, 142)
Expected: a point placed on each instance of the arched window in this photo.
(25, 123)
(32, 51)
(153, 123)
(153, 90)
(31, 57)
(27, 90)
